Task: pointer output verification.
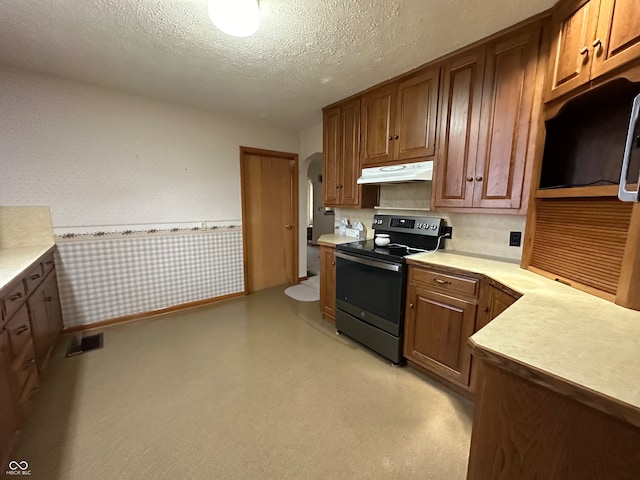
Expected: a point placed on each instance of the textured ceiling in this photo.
(306, 54)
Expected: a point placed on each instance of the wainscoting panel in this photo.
(101, 278)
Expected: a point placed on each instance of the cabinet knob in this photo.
(390, 137)
(584, 50)
(395, 137)
(485, 309)
(411, 305)
(333, 263)
(597, 46)
(478, 178)
(469, 179)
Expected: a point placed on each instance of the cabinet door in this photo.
(377, 122)
(332, 146)
(40, 328)
(459, 120)
(436, 332)
(8, 400)
(493, 302)
(350, 124)
(52, 303)
(573, 31)
(416, 111)
(507, 107)
(328, 282)
(618, 37)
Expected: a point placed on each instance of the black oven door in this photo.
(371, 290)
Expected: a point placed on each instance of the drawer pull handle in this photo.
(29, 364)
(442, 282)
(15, 297)
(34, 277)
(22, 329)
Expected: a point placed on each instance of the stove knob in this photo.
(434, 227)
(426, 226)
(419, 225)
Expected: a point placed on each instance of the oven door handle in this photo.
(371, 263)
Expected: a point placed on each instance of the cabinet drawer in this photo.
(19, 329)
(446, 283)
(24, 365)
(12, 300)
(48, 263)
(33, 278)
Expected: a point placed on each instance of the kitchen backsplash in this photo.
(475, 233)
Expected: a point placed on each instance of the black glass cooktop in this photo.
(368, 248)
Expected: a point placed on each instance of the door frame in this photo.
(293, 157)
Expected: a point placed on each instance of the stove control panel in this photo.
(425, 226)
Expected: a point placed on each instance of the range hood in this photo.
(408, 172)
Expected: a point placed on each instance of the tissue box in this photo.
(352, 232)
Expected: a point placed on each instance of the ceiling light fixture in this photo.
(239, 18)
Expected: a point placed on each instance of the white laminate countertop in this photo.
(14, 261)
(555, 330)
(329, 239)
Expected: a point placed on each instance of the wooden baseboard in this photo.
(302, 279)
(144, 315)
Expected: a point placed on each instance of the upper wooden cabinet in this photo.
(399, 120)
(591, 38)
(486, 113)
(459, 120)
(341, 161)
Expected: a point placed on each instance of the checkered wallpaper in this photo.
(105, 278)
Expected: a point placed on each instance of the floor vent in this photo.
(78, 345)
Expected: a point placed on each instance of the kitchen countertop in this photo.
(14, 261)
(575, 343)
(331, 239)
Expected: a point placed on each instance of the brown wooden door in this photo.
(377, 122)
(416, 111)
(573, 32)
(436, 333)
(349, 190)
(8, 400)
(618, 36)
(507, 106)
(328, 281)
(269, 216)
(331, 160)
(459, 120)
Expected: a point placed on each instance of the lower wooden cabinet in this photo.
(436, 335)
(443, 310)
(31, 325)
(46, 318)
(8, 402)
(328, 282)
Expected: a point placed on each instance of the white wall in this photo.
(321, 223)
(310, 144)
(99, 158)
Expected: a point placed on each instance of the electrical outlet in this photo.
(515, 239)
(203, 224)
(448, 231)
